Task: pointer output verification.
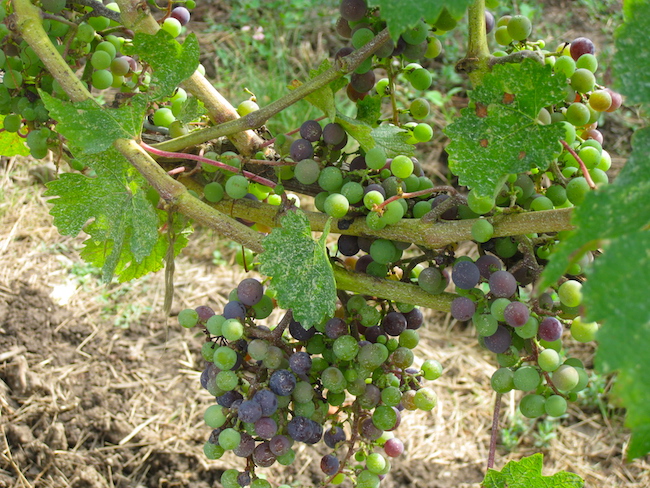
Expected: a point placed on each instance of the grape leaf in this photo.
(91, 127)
(391, 138)
(111, 207)
(127, 268)
(191, 110)
(300, 270)
(527, 473)
(172, 62)
(369, 110)
(323, 98)
(401, 15)
(631, 64)
(500, 134)
(11, 144)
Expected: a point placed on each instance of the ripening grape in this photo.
(500, 341)
(516, 314)
(550, 329)
(465, 275)
(181, 14)
(502, 284)
(580, 46)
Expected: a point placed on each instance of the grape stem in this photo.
(419, 193)
(99, 10)
(583, 168)
(495, 432)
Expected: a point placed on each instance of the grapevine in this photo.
(147, 145)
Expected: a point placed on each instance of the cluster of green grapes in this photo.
(90, 43)
(344, 381)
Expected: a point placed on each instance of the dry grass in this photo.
(86, 404)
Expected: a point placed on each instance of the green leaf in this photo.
(527, 473)
(11, 144)
(391, 138)
(632, 64)
(369, 110)
(613, 211)
(300, 270)
(171, 61)
(401, 15)
(91, 127)
(191, 110)
(501, 135)
(111, 207)
(323, 98)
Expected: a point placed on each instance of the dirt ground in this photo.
(98, 389)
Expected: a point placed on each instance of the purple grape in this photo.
(465, 275)
(244, 478)
(181, 14)
(299, 333)
(209, 374)
(414, 319)
(280, 444)
(250, 291)
(363, 82)
(358, 163)
(394, 323)
(204, 313)
(214, 436)
(266, 427)
(262, 455)
(488, 264)
(333, 436)
(373, 333)
(227, 399)
(462, 308)
(362, 263)
(550, 329)
(353, 10)
(267, 401)
(343, 28)
(311, 130)
(348, 245)
(249, 411)
(546, 301)
(329, 464)
(500, 341)
(246, 445)
(370, 398)
(368, 430)
(301, 149)
(282, 382)
(344, 51)
(300, 362)
(394, 447)
(333, 134)
(373, 187)
(335, 328)
(316, 433)
(516, 314)
(234, 310)
(451, 214)
(580, 46)
(489, 22)
(502, 284)
(300, 428)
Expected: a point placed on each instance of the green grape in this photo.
(85, 33)
(577, 114)
(583, 331)
(375, 158)
(565, 65)
(12, 123)
(555, 406)
(119, 66)
(163, 117)
(229, 439)
(207, 350)
(100, 60)
(107, 47)
(54, 6)
(213, 192)
(401, 166)
(519, 27)
(445, 21)
(526, 378)
(345, 348)
(307, 171)
(583, 380)
(224, 358)
(336, 205)
(237, 186)
(565, 378)
(587, 61)
(423, 132)
(372, 198)
(375, 462)
(333, 379)
(391, 396)
(99, 23)
(431, 369)
(570, 293)
(263, 308)
(353, 191)
(541, 203)
(384, 417)
(214, 324)
(420, 79)
(258, 349)
(330, 179)
(502, 36)
(434, 48)
(425, 399)
(590, 156)
(260, 483)
(502, 380)
(532, 406)
(421, 208)
(232, 330)
(226, 380)
(172, 26)
(382, 87)
(549, 360)
(482, 230)
(287, 459)
(213, 451)
(577, 189)
(190, 4)
(479, 204)
(393, 213)
(419, 109)
(188, 318)
(409, 338)
(600, 100)
(583, 80)
(367, 479)
(556, 194)
(486, 324)
(383, 251)
(417, 34)
(214, 416)
(361, 37)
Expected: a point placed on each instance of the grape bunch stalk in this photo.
(344, 382)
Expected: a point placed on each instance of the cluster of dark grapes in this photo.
(344, 382)
(92, 45)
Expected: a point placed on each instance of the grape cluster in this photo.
(344, 382)
(93, 44)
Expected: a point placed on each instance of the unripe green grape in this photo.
(434, 48)
(590, 156)
(556, 194)
(526, 378)
(425, 399)
(246, 107)
(498, 307)
(172, 26)
(307, 171)
(502, 380)
(237, 186)
(401, 166)
(12, 123)
(565, 378)
(232, 330)
(361, 37)
(532, 406)
(393, 212)
(519, 27)
(583, 331)
(570, 131)
(599, 177)
(549, 360)
(577, 114)
(420, 79)
(188, 318)
(423, 132)
(570, 293)
(541, 203)
(213, 451)
(382, 87)
(555, 406)
(419, 108)
(353, 191)
(479, 204)
(226, 380)
(101, 60)
(583, 80)
(372, 198)
(163, 117)
(605, 161)
(482, 230)
(375, 463)
(587, 61)
(336, 205)
(99, 23)
(421, 208)
(330, 179)
(486, 324)
(564, 65)
(229, 439)
(502, 36)
(600, 100)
